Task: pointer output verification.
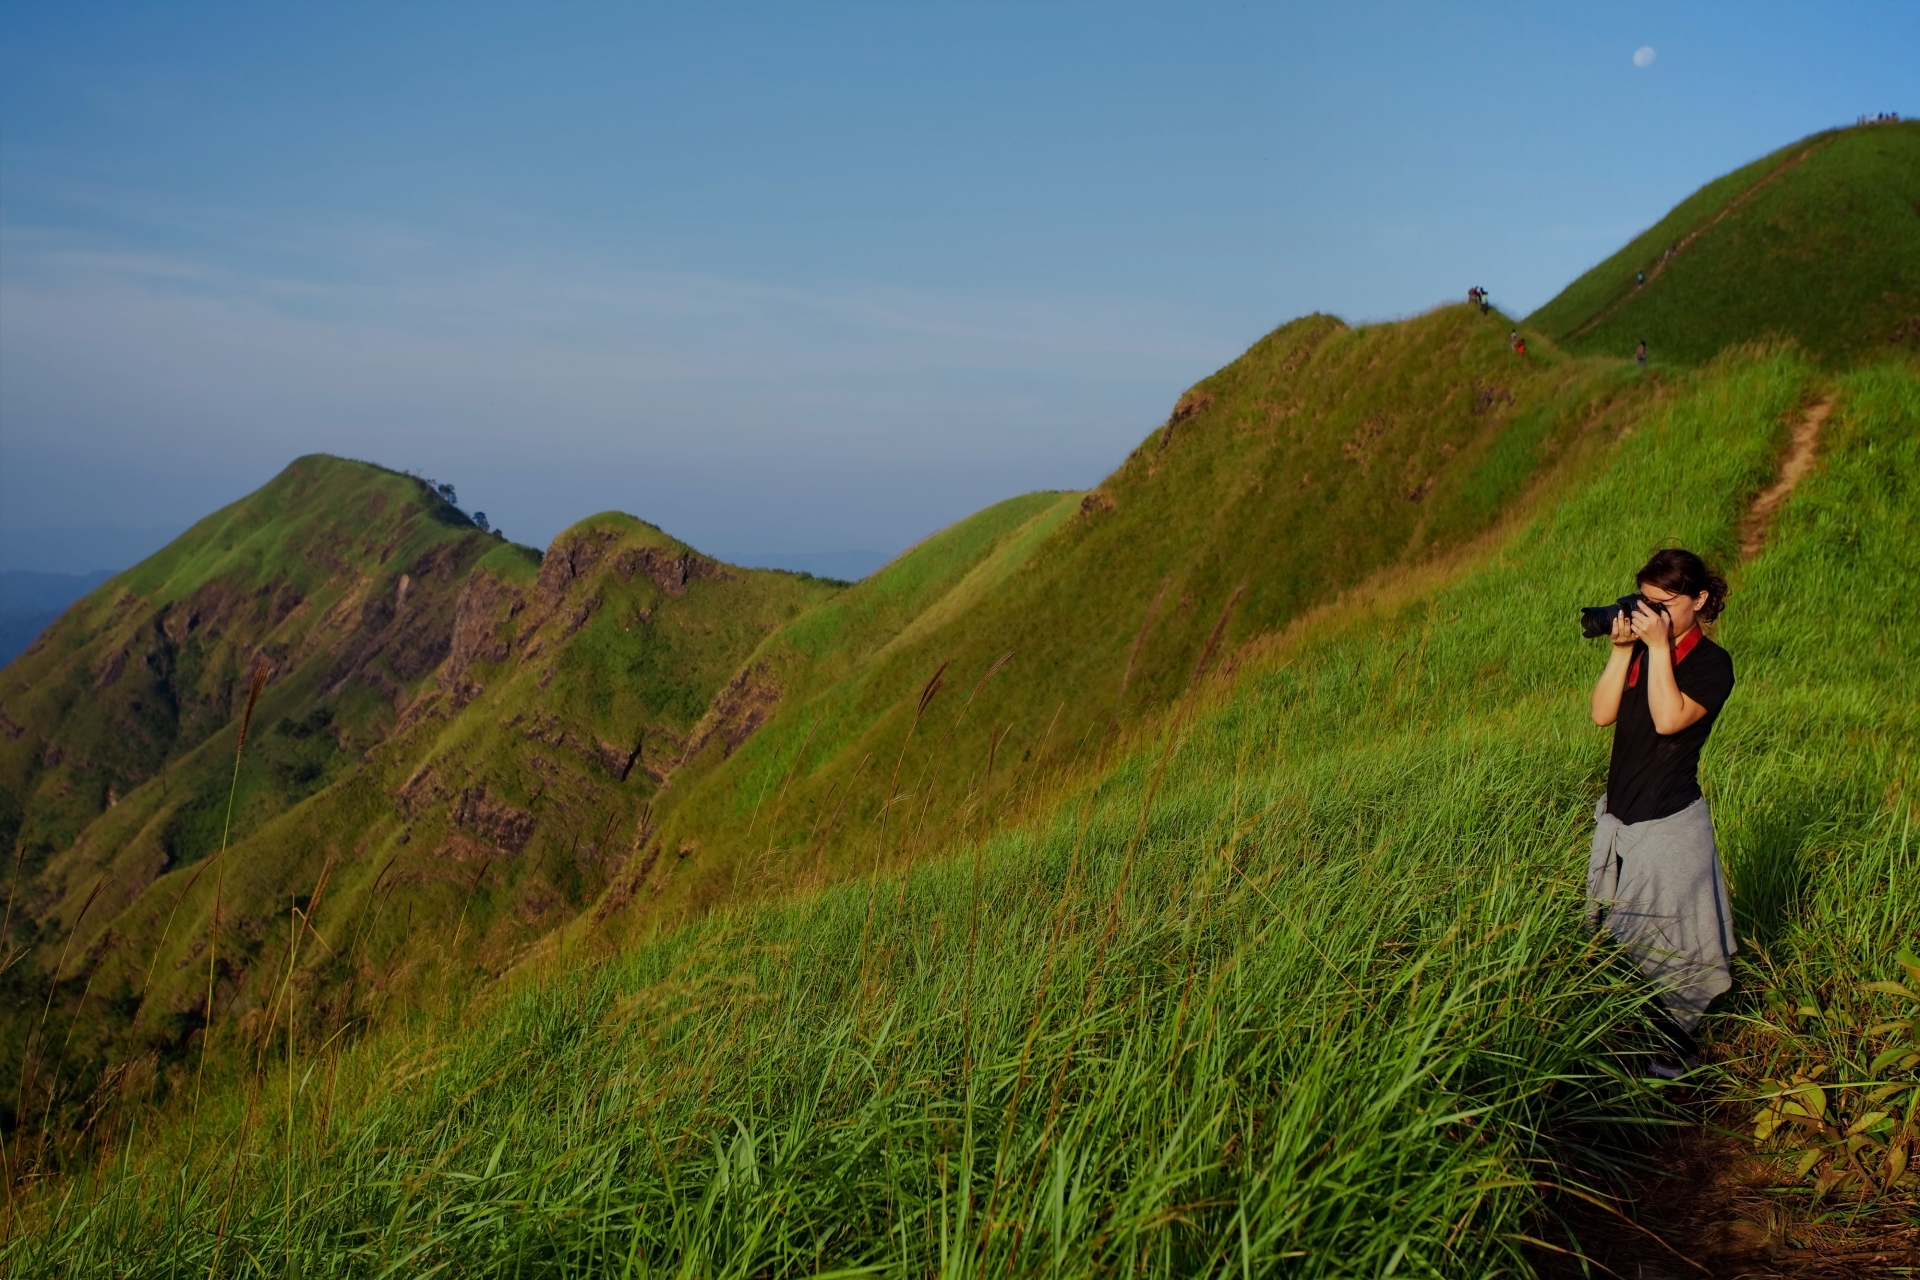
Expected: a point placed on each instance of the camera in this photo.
(1597, 620)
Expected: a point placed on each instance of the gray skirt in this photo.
(1657, 888)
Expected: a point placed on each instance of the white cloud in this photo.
(1643, 56)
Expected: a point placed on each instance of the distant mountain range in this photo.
(844, 566)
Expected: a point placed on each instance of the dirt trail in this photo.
(1689, 238)
(1799, 461)
(1707, 1205)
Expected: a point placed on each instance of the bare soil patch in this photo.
(1707, 1204)
(1799, 461)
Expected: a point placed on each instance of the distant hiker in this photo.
(1474, 295)
(1518, 343)
(1484, 304)
(1640, 354)
(1654, 874)
(1640, 278)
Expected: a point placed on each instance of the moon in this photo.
(1643, 56)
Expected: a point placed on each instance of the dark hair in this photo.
(1685, 574)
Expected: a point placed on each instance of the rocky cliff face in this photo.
(152, 666)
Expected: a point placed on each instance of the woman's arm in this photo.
(1672, 710)
(1605, 707)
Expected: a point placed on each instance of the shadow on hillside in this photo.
(1770, 859)
(1703, 1204)
(1774, 841)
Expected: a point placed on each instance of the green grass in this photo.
(149, 666)
(1826, 252)
(120, 726)
(1319, 457)
(839, 633)
(1297, 985)
(914, 967)
(555, 678)
(350, 579)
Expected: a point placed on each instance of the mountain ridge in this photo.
(475, 760)
(1321, 1002)
(1817, 242)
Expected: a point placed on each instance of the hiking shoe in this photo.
(1664, 1066)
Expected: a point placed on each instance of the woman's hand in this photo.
(1613, 681)
(1654, 628)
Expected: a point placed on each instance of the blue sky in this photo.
(794, 278)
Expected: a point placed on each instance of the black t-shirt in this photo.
(1654, 774)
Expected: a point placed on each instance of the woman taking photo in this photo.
(1655, 873)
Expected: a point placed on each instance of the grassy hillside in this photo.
(454, 748)
(1818, 242)
(1321, 456)
(338, 580)
(1174, 877)
(1297, 985)
(155, 661)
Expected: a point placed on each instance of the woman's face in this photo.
(1684, 610)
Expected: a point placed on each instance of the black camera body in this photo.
(1597, 620)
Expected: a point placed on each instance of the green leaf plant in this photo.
(1861, 1134)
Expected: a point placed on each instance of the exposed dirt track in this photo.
(1799, 461)
(1687, 240)
(1711, 1207)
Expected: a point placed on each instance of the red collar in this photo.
(1681, 648)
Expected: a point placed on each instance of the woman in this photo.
(1655, 873)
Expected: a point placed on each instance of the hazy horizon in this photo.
(790, 282)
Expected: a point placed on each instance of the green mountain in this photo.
(1296, 981)
(1818, 242)
(461, 746)
(1178, 877)
(1318, 459)
(453, 739)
